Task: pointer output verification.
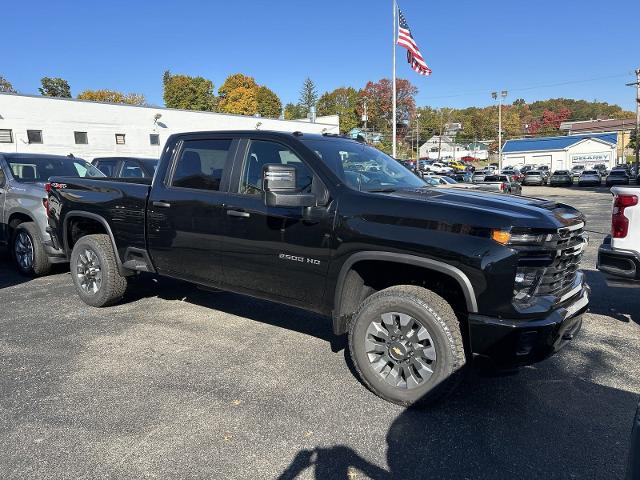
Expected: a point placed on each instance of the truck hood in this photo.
(494, 210)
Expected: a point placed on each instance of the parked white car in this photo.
(619, 254)
(438, 167)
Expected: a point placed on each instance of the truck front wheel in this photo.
(28, 250)
(406, 345)
(94, 270)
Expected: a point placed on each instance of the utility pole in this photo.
(637, 85)
(365, 118)
(418, 138)
(503, 95)
(440, 137)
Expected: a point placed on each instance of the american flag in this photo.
(414, 57)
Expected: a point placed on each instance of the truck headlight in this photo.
(507, 237)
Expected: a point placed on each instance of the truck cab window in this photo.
(107, 167)
(261, 153)
(131, 170)
(201, 164)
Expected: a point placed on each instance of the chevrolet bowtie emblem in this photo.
(397, 350)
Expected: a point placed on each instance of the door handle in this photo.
(238, 213)
(161, 204)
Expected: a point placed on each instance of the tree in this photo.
(188, 93)
(238, 94)
(240, 101)
(342, 101)
(308, 96)
(293, 111)
(379, 103)
(112, 96)
(55, 87)
(269, 104)
(5, 85)
(234, 81)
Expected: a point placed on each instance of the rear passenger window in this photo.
(201, 164)
(131, 170)
(107, 167)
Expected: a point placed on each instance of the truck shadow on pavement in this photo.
(538, 424)
(262, 311)
(8, 274)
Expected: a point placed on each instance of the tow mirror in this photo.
(279, 186)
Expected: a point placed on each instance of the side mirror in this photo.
(279, 186)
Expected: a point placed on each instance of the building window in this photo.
(81, 138)
(119, 138)
(154, 139)
(34, 136)
(6, 136)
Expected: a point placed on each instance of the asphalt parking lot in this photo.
(181, 383)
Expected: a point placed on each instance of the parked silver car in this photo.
(23, 216)
(534, 177)
(589, 177)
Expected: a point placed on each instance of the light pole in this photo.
(418, 138)
(637, 85)
(499, 97)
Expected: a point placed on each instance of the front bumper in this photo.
(510, 343)
(619, 263)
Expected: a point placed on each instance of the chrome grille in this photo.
(555, 262)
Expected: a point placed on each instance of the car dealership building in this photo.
(561, 153)
(63, 126)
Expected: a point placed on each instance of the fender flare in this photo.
(78, 213)
(458, 275)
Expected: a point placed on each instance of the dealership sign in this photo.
(602, 157)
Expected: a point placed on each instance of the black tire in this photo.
(428, 310)
(27, 233)
(95, 253)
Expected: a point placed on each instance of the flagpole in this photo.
(393, 81)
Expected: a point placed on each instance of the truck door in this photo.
(186, 215)
(275, 252)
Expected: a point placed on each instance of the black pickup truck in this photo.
(422, 279)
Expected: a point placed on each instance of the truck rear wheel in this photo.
(94, 270)
(406, 345)
(27, 249)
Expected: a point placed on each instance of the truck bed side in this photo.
(115, 206)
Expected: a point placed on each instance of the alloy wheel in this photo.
(400, 350)
(89, 272)
(24, 251)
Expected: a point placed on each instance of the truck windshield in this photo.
(362, 167)
(34, 169)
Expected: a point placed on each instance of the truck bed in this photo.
(121, 202)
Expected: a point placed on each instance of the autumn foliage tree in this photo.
(241, 94)
(188, 93)
(378, 96)
(342, 101)
(112, 96)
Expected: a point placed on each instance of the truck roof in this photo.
(27, 156)
(272, 133)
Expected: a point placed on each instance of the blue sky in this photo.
(472, 46)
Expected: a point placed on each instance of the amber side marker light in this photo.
(501, 236)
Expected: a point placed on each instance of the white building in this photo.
(561, 153)
(33, 124)
(445, 147)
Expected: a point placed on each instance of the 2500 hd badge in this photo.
(295, 258)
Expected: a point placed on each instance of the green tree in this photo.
(293, 111)
(269, 104)
(188, 93)
(54, 87)
(308, 96)
(342, 101)
(112, 96)
(5, 85)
